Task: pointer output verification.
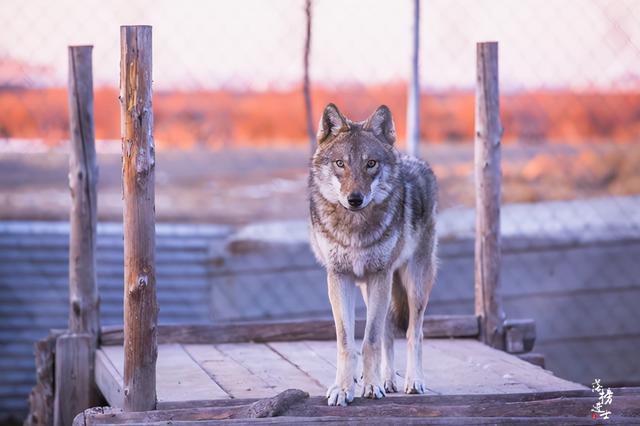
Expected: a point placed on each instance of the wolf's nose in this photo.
(355, 199)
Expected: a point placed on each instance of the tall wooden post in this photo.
(488, 132)
(306, 84)
(75, 388)
(83, 178)
(413, 105)
(138, 164)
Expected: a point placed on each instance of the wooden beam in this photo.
(484, 409)
(278, 331)
(488, 131)
(138, 169)
(73, 392)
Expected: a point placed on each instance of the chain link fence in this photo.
(230, 127)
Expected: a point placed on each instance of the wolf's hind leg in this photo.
(417, 277)
(342, 298)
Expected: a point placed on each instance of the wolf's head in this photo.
(355, 161)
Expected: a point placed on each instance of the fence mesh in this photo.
(230, 125)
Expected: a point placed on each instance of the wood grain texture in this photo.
(73, 393)
(251, 370)
(280, 331)
(138, 165)
(179, 378)
(540, 408)
(41, 398)
(488, 132)
(83, 179)
(109, 378)
(205, 373)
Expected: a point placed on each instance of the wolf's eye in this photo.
(371, 164)
(340, 163)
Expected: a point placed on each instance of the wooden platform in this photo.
(191, 374)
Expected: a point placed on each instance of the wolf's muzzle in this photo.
(355, 199)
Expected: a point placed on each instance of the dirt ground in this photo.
(239, 186)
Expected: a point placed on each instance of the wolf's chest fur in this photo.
(363, 243)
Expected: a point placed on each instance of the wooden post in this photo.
(413, 105)
(488, 302)
(75, 388)
(83, 178)
(306, 85)
(73, 393)
(138, 164)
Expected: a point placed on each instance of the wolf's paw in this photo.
(413, 386)
(373, 391)
(338, 395)
(390, 386)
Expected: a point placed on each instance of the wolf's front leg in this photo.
(342, 298)
(378, 298)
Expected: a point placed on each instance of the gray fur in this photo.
(386, 246)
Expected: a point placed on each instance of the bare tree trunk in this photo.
(413, 106)
(306, 84)
(488, 301)
(138, 170)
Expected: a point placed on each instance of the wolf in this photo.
(373, 218)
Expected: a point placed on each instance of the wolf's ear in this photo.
(331, 123)
(381, 124)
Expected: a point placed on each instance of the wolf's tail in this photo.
(399, 309)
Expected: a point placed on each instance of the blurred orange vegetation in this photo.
(217, 118)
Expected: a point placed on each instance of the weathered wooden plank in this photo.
(488, 131)
(252, 369)
(41, 398)
(509, 367)
(179, 376)
(108, 378)
(138, 184)
(334, 420)
(73, 390)
(277, 331)
(486, 409)
(306, 359)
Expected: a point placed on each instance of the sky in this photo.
(257, 44)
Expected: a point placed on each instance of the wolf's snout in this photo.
(355, 199)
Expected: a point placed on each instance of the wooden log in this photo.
(519, 335)
(279, 331)
(533, 407)
(84, 302)
(488, 131)
(41, 398)
(413, 103)
(83, 178)
(138, 163)
(73, 391)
